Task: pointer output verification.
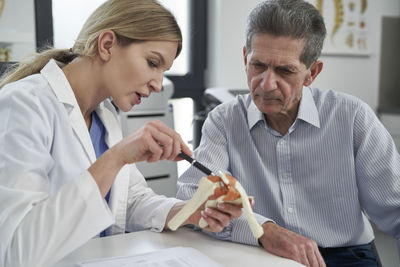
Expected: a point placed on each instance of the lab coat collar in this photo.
(59, 83)
(63, 91)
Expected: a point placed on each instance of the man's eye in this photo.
(285, 71)
(257, 65)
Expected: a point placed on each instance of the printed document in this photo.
(169, 257)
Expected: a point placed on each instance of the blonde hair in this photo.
(131, 20)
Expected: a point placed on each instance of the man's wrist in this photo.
(265, 225)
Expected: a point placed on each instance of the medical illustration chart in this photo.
(347, 23)
(169, 257)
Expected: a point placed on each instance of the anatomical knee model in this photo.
(213, 190)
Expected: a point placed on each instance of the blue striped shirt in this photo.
(336, 161)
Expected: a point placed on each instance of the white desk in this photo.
(226, 253)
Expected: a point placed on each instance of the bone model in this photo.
(213, 190)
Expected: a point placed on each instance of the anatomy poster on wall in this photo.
(2, 4)
(347, 26)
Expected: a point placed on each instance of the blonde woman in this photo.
(66, 174)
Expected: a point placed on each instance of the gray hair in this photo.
(292, 18)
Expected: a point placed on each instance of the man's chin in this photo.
(269, 107)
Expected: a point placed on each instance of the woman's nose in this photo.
(156, 84)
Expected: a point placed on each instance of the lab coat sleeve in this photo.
(45, 229)
(146, 209)
(38, 228)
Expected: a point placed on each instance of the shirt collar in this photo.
(307, 110)
(254, 115)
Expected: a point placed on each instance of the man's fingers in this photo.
(306, 253)
(220, 217)
(234, 211)
(213, 225)
(320, 259)
(314, 256)
(285, 243)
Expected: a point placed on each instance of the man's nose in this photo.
(269, 80)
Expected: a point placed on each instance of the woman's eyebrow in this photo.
(160, 56)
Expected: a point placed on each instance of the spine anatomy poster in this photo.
(347, 26)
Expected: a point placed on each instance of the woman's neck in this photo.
(83, 76)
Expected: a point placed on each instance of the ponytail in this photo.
(131, 20)
(35, 64)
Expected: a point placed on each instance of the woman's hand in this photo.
(217, 218)
(153, 142)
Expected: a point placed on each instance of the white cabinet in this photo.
(161, 176)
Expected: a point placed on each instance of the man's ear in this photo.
(106, 41)
(245, 57)
(315, 69)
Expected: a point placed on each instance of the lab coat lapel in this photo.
(79, 126)
(63, 91)
(109, 118)
(119, 189)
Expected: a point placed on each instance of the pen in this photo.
(196, 164)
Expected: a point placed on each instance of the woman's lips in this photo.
(137, 98)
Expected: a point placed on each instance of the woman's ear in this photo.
(315, 69)
(106, 41)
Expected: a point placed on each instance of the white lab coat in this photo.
(49, 203)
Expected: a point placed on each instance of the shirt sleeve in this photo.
(38, 228)
(213, 153)
(378, 171)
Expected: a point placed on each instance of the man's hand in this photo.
(282, 242)
(217, 218)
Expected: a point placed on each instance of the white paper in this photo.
(169, 257)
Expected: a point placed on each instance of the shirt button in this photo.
(290, 210)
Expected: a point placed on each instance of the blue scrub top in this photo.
(97, 134)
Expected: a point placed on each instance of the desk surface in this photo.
(226, 253)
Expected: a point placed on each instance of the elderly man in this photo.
(316, 161)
